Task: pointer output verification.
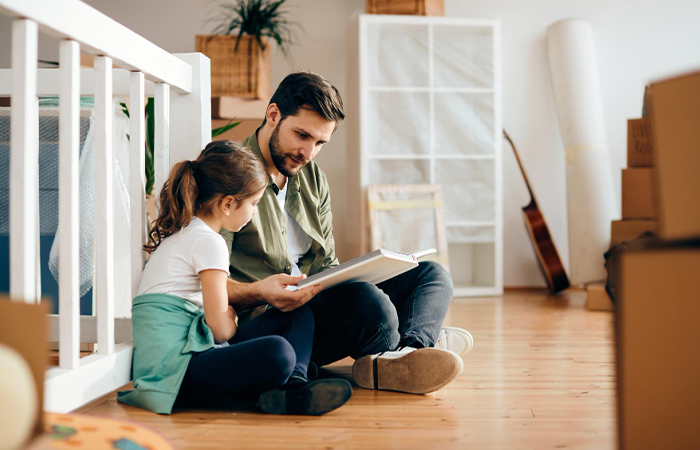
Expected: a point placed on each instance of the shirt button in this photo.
(283, 232)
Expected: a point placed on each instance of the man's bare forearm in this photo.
(243, 295)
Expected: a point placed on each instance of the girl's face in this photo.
(240, 213)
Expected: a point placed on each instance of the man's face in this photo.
(296, 140)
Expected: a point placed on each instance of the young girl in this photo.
(188, 346)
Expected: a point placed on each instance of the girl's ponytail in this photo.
(177, 204)
(223, 168)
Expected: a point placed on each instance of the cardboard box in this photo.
(626, 230)
(238, 133)
(23, 328)
(597, 299)
(638, 194)
(238, 108)
(639, 143)
(658, 349)
(675, 118)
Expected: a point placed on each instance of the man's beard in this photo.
(278, 156)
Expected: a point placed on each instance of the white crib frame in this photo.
(180, 84)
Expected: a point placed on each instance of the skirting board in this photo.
(97, 375)
(88, 329)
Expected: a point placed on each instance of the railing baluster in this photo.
(137, 187)
(68, 205)
(37, 215)
(24, 164)
(104, 205)
(161, 156)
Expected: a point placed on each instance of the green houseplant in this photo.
(259, 19)
(150, 139)
(239, 48)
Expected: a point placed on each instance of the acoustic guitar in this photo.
(546, 251)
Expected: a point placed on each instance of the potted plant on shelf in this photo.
(239, 48)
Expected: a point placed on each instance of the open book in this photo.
(374, 267)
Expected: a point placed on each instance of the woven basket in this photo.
(242, 73)
(415, 7)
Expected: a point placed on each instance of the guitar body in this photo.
(551, 265)
(542, 241)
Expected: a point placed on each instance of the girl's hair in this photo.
(223, 168)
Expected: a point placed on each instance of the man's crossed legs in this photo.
(390, 329)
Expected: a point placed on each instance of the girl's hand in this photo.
(234, 318)
(272, 290)
(232, 314)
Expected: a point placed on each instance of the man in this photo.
(391, 329)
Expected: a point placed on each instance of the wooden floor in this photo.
(541, 376)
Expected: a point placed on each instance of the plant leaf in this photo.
(223, 129)
(150, 144)
(125, 109)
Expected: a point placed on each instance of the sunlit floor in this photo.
(541, 376)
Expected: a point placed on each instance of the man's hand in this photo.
(272, 291)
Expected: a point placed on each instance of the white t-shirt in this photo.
(173, 268)
(298, 242)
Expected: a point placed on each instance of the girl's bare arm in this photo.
(218, 314)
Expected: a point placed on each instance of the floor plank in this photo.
(541, 375)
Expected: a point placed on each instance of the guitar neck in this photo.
(520, 164)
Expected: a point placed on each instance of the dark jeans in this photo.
(262, 355)
(358, 319)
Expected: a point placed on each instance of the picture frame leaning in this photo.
(408, 218)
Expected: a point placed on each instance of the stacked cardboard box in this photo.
(675, 109)
(597, 298)
(658, 348)
(658, 337)
(638, 203)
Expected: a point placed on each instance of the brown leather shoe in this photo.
(414, 371)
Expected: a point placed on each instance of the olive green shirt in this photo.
(260, 248)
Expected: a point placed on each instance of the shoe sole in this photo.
(419, 372)
(313, 399)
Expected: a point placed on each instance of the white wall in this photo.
(637, 41)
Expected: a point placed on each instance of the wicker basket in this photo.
(415, 7)
(241, 73)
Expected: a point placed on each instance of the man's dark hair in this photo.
(310, 91)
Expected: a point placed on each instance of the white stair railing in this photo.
(24, 164)
(68, 204)
(104, 206)
(181, 87)
(137, 179)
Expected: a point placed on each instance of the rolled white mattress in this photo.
(591, 202)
